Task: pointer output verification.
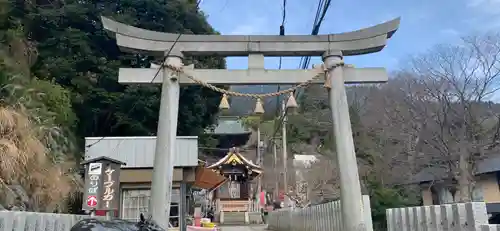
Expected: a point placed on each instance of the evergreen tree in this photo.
(77, 53)
(58, 84)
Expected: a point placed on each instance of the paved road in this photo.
(244, 228)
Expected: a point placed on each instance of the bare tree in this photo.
(316, 181)
(442, 117)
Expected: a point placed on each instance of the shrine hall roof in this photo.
(238, 158)
(228, 125)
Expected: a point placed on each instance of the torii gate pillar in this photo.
(161, 184)
(350, 190)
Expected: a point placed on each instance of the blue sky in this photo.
(424, 23)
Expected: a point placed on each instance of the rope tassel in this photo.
(224, 103)
(259, 109)
(291, 102)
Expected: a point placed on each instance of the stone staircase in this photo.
(233, 218)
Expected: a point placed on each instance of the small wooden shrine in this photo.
(234, 195)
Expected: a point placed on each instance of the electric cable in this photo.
(319, 17)
(282, 33)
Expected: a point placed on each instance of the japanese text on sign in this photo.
(94, 184)
(108, 186)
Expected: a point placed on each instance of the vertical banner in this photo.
(111, 187)
(262, 199)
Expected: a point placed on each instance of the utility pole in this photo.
(284, 148)
(275, 165)
(259, 160)
(333, 74)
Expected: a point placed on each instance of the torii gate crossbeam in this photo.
(331, 47)
(364, 41)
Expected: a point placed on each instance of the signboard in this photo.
(111, 183)
(102, 185)
(92, 201)
(95, 168)
(281, 196)
(92, 188)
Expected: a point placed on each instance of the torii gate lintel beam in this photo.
(364, 41)
(251, 76)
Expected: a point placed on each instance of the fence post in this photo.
(338, 210)
(314, 217)
(308, 219)
(321, 217)
(426, 218)
(31, 221)
(446, 217)
(410, 223)
(302, 219)
(476, 215)
(390, 218)
(459, 216)
(305, 216)
(490, 227)
(324, 212)
(329, 216)
(435, 218)
(415, 216)
(367, 212)
(418, 215)
(399, 222)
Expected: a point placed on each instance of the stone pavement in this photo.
(244, 228)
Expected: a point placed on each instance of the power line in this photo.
(323, 6)
(282, 33)
(321, 11)
(156, 75)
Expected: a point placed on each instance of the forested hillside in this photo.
(58, 81)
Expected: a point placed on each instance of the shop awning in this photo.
(208, 178)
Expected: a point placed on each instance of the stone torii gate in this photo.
(331, 47)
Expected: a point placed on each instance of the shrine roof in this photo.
(228, 125)
(237, 158)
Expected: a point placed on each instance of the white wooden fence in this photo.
(28, 221)
(490, 227)
(315, 218)
(459, 216)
